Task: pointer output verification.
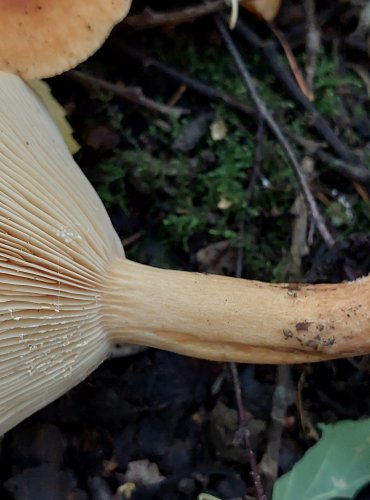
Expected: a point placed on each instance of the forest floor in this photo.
(194, 178)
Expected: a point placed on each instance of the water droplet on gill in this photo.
(67, 235)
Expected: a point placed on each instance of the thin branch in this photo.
(317, 121)
(356, 173)
(282, 398)
(131, 94)
(347, 169)
(243, 429)
(279, 134)
(149, 19)
(196, 85)
(355, 170)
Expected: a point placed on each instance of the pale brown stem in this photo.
(230, 319)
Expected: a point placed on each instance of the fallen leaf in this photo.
(266, 9)
(57, 113)
(125, 491)
(192, 133)
(143, 472)
(217, 258)
(224, 203)
(218, 129)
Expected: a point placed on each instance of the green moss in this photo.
(202, 196)
(328, 84)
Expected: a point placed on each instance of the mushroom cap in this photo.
(55, 242)
(42, 38)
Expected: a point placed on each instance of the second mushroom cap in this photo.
(42, 38)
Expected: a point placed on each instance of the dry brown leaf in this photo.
(266, 9)
(56, 111)
(293, 64)
(217, 258)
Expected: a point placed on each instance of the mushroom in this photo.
(68, 294)
(41, 38)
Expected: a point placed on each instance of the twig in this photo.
(148, 18)
(238, 273)
(277, 131)
(354, 169)
(126, 242)
(300, 240)
(354, 172)
(307, 426)
(245, 433)
(317, 121)
(131, 94)
(282, 398)
(193, 83)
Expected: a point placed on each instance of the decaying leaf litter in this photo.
(223, 205)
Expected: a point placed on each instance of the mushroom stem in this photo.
(230, 319)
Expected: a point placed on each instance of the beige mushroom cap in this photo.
(42, 38)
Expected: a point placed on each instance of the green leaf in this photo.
(337, 466)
